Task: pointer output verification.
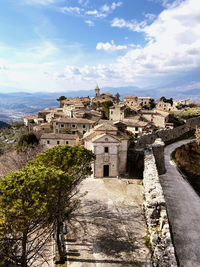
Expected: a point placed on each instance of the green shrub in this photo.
(26, 141)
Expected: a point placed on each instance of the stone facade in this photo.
(80, 126)
(110, 147)
(50, 140)
(156, 216)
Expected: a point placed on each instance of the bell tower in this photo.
(97, 91)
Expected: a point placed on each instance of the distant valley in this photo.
(14, 106)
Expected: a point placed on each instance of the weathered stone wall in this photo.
(156, 216)
(168, 134)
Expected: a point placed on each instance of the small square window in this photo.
(111, 112)
(84, 132)
(84, 126)
(58, 142)
(73, 126)
(62, 125)
(67, 142)
(106, 149)
(48, 142)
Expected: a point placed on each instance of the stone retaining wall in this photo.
(156, 216)
(168, 134)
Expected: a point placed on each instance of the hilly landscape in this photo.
(14, 106)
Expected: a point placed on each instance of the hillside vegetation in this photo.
(3, 124)
(10, 135)
(188, 159)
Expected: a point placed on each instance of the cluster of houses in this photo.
(78, 121)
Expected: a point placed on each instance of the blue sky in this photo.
(65, 45)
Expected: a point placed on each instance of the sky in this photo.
(66, 45)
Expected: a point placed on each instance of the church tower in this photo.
(97, 90)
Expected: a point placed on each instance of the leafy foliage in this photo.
(27, 140)
(164, 99)
(62, 97)
(105, 105)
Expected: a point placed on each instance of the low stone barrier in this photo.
(168, 134)
(156, 216)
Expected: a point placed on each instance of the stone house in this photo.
(29, 120)
(184, 102)
(43, 128)
(110, 147)
(165, 106)
(131, 101)
(120, 111)
(138, 126)
(156, 118)
(144, 101)
(75, 125)
(137, 102)
(49, 140)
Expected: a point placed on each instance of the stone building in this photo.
(137, 102)
(75, 125)
(120, 111)
(165, 106)
(49, 140)
(100, 98)
(110, 147)
(159, 120)
(144, 101)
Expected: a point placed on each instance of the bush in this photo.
(26, 141)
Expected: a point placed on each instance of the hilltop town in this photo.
(105, 125)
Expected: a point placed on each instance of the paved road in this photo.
(183, 206)
(109, 226)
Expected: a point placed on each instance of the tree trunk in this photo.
(24, 251)
(58, 230)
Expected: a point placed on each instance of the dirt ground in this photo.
(109, 227)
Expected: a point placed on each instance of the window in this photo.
(73, 126)
(67, 142)
(106, 139)
(58, 142)
(111, 112)
(62, 125)
(106, 149)
(84, 126)
(136, 128)
(56, 123)
(73, 132)
(48, 142)
(84, 132)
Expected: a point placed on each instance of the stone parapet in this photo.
(156, 216)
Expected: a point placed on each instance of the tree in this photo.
(26, 141)
(117, 98)
(66, 131)
(62, 97)
(26, 196)
(164, 99)
(105, 105)
(152, 103)
(75, 162)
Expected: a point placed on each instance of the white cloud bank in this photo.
(173, 45)
(110, 46)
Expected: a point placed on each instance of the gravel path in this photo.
(110, 226)
(183, 206)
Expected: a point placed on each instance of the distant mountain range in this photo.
(14, 106)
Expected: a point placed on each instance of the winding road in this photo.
(183, 207)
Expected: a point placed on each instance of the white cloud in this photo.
(89, 22)
(110, 46)
(41, 2)
(130, 25)
(104, 10)
(73, 10)
(172, 46)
